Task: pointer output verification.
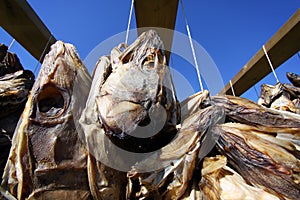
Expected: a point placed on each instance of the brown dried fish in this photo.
(47, 158)
(9, 62)
(132, 96)
(262, 159)
(219, 181)
(293, 78)
(192, 104)
(14, 90)
(292, 90)
(179, 159)
(245, 111)
(277, 97)
(15, 84)
(268, 93)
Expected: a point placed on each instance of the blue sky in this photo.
(231, 32)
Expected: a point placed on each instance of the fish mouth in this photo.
(50, 104)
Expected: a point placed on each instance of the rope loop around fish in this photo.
(192, 46)
(270, 63)
(129, 20)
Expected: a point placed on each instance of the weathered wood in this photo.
(23, 24)
(283, 44)
(158, 14)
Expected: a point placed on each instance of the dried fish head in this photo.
(9, 62)
(47, 156)
(136, 103)
(268, 93)
(293, 78)
(277, 97)
(14, 90)
(193, 104)
(15, 85)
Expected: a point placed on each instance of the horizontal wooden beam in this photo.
(283, 44)
(22, 23)
(157, 14)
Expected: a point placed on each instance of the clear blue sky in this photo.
(230, 31)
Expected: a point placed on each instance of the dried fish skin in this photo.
(268, 93)
(14, 90)
(47, 155)
(9, 62)
(15, 85)
(105, 182)
(245, 111)
(293, 78)
(292, 90)
(260, 161)
(193, 104)
(277, 97)
(221, 182)
(284, 103)
(296, 102)
(135, 98)
(180, 158)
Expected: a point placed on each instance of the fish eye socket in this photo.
(50, 102)
(148, 61)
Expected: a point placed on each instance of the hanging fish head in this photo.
(137, 102)
(293, 78)
(47, 153)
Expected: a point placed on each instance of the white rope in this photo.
(39, 61)
(12, 42)
(192, 46)
(231, 88)
(129, 20)
(270, 63)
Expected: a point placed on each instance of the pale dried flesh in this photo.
(219, 181)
